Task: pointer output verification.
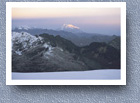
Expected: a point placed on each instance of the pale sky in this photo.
(98, 20)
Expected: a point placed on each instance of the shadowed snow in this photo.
(93, 74)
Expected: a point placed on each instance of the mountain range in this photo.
(69, 32)
(43, 50)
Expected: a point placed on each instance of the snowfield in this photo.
(107, 74)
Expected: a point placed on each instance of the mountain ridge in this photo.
(54, 53)
(79, 39)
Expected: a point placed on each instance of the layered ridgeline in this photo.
(69, 32)
(50, 53)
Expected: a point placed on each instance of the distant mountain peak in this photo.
(71, 28)
(23, 27)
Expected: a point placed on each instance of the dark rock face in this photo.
(115, 43)
(48, 53)
(106, 55)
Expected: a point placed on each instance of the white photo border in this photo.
(10, 5)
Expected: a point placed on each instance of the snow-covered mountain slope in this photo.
(24, 41)
(24, 36)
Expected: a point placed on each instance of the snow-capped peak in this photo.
(23, 27)
(65, 26)
(71, 28)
